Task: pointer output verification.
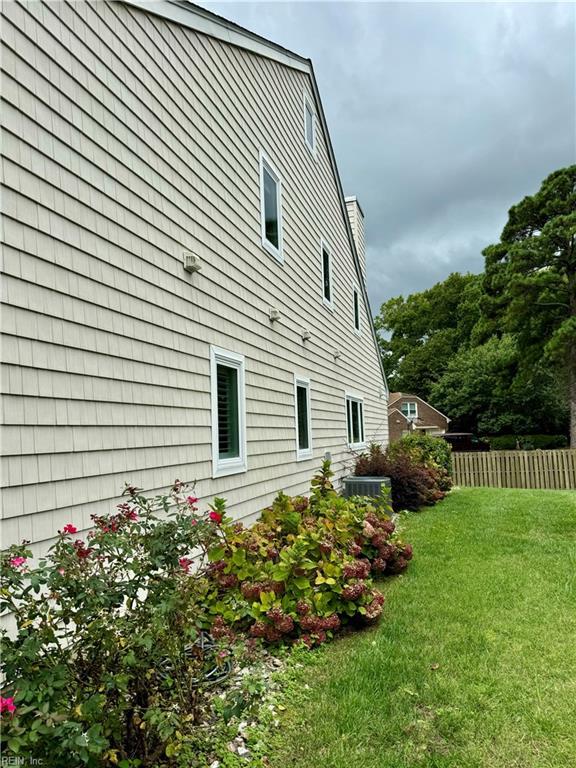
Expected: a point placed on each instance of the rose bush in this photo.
(103, 668)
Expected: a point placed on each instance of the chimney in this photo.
(356, 219)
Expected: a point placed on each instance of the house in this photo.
(184, 280)
(410, 413)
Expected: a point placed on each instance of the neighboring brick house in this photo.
(409, 413)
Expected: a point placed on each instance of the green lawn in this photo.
(474, 663)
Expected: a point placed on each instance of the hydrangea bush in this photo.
(106, 667)
(305, 568)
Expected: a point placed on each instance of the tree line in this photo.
(496, 351)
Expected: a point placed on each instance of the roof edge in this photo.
(204, 21)
(347, 225)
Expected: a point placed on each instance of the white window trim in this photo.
(325, 247)
(353, 397)
(356, 292)
(309, 105)
(302, 381)
(407, 415)
(266, 244)
(233, 466)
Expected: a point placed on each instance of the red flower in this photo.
(191, 501)
(69, 528)
(81, 550)
(7, 705)
(185, 563)
(216, 517)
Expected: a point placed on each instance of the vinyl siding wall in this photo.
(128, 139)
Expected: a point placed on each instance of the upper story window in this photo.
(327, 288)
(271, 207)
(303, 418)
(355, 421)
(228, 412)
(309, 124)
(356, 308)
(410, 410)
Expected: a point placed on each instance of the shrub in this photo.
(413, 485)
(303, 570)
(103, 666)
(107, 662)
(371, 464)
(416, 466)
(431, 451)
(526, 442)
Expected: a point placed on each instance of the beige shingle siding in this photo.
(128, 139)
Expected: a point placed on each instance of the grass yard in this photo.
(474, 663)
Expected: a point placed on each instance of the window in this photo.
(271, 208)
(303, 418)
(410, 410)
(228, 413)
(356, 307)
(326, 274)
(309, 124)
(355, 421)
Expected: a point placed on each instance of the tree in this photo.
(484, 390)
(530, 281)
(420, 334)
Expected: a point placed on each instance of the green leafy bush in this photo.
(431, 451)
(304, 569)
(526, 442)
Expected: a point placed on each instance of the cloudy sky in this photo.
(442, 116)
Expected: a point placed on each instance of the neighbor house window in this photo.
(303, 418)
(228, 412)
(355, 421)
(271, 208)
(327, 294)
(309, 124)
(356, 308)
(410, 410)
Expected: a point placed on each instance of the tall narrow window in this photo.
(270, 208)
(303, 418)
(228, 435)
(327, 294)
(355, 421)
(356, 307)
(228, 413)
(309, 124)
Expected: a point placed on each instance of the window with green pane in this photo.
(303, 418)
(228, 416)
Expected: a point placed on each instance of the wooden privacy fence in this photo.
(516, 469)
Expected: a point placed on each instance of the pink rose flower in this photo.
(7, 705)
(69, 528)
(16, 562)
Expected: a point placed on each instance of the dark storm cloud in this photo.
(442, 116)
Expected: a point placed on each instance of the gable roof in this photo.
(201, 20)
(395, 410)
(395, 396)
